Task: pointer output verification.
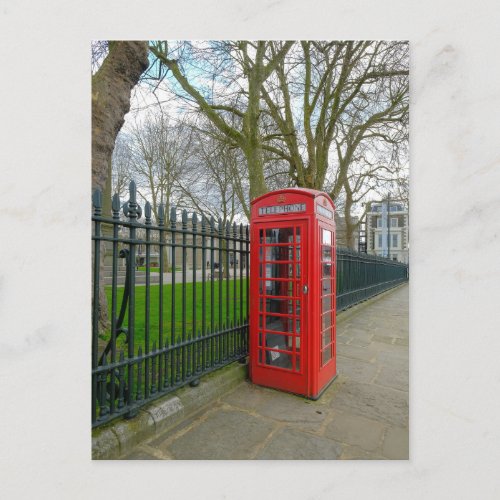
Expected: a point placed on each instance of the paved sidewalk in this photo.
(362, 415)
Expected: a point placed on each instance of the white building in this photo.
(387, 230)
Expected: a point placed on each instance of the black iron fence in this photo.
(170, 300)
(361, 276)
(170, 303)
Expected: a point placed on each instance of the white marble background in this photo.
(45, 248)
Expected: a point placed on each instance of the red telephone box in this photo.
(292, 291)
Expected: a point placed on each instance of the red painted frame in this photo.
(311, 211)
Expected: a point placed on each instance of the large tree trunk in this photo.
(111, 88)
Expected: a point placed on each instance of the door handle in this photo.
(305, 289)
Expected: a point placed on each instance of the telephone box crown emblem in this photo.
(281, 198)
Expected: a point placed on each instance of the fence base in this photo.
(113, 440)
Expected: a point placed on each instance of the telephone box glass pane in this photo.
(327, 254)
(326, 355)
(281, 235)
(279, 323)
(297, 343)
(327, 269)
(326, 337)
(327, 303)
(275, 358)
(281, 359)
(327, 286)
(297, 307)
(279, 288)
(282, 306)
(326, 321)
(274, 270)
(278, 341)
(327, 237)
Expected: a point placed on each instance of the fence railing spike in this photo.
(115, 206)
(161, 214)
(147, 212)
(97, 201)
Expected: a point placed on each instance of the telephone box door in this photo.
(279, 336)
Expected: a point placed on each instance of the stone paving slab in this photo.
(374, 402)
(393, 376)
(279, 406)
(363, 415)
(355, 369)
(357, 352)
(292, 444)
(223, 435)
(357, 431)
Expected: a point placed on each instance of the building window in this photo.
(394, 222)
(394, 240)
(379, 241)
(379, 221)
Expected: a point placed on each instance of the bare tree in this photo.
(122, 163)
(372, 152)
(315, 91)
(242, 68)
(213, 181)
(159, 154)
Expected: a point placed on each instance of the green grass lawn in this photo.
(157, 269)
(194, 316)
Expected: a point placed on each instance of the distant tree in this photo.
(122, 164)
(159, 153)
(212, 182)
(372, 154)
